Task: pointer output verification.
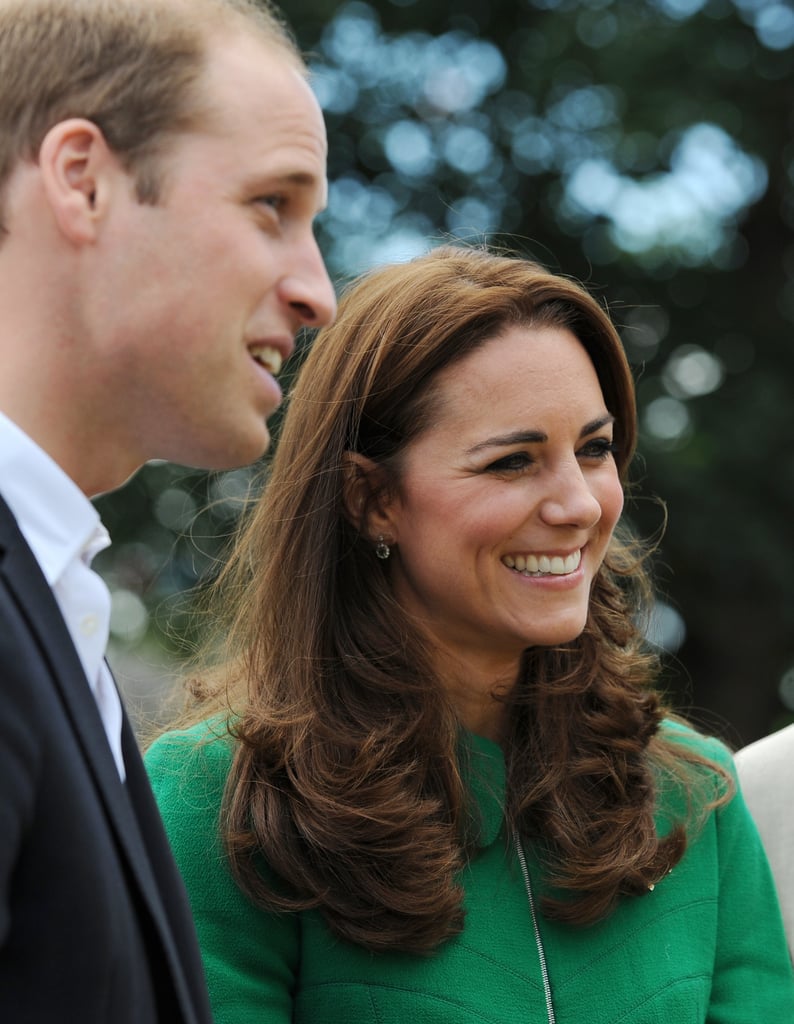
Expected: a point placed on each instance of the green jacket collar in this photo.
(483, 767)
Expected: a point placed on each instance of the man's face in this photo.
(200, 296)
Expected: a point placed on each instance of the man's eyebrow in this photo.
(536, 436)
(302, 178)
(265, 183)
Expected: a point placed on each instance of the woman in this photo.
(434, 782)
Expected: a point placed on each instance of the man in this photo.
(766, 772)
(161, 164)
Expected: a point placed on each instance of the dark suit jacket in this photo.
(94, 920)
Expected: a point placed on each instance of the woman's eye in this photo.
(514, 463)
(598, 448)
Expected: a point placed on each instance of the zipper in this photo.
(544, 971)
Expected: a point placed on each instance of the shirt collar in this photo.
(55, 517)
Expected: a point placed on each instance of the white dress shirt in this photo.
(64, 532)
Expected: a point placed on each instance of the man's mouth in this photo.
(268, 357)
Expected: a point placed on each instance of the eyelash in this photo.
(275, 202)
(515, 463)
(599, 449)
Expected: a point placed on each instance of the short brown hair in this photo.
(129, 66)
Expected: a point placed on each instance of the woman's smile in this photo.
(544, 565)
(503, 512)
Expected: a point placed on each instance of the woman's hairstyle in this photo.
(347, 774)
(132, 67)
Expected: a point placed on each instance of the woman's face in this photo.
(506, 503)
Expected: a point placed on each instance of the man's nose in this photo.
(308, 290)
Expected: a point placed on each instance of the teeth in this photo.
(268, 357)
(542, 565)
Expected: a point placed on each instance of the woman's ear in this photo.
(365, 496)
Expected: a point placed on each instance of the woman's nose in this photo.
(570, 500)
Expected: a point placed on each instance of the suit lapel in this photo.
(25, 581)
(35, 599)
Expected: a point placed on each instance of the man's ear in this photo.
(75, 163)
(365, 496)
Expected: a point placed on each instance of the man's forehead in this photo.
(258, 83)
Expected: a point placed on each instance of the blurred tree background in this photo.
(641, 146)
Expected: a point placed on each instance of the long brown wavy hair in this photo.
(346, 776)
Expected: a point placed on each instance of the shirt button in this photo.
(89, 625)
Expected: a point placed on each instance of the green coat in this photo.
(707, 945)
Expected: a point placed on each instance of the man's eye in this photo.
(274, 202)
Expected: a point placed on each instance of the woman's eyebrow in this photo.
(506, 440)
(536, 436)
(597, 424)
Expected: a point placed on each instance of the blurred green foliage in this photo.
(642, 146)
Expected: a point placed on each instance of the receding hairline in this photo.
(251, 17)
(193, 29)
(230, 18)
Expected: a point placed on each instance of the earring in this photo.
(382, 549)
